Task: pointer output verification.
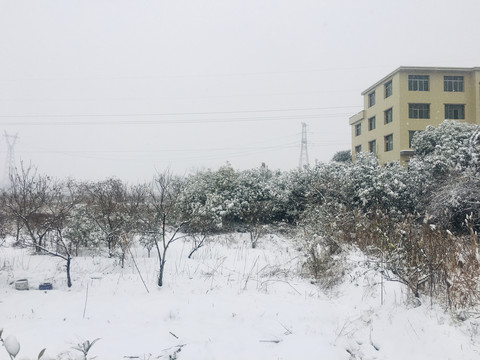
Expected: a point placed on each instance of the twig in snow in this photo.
(413, 329)
(134, 262)
(287, 330)
(271, 341)
(86, 299)
(250, 273)
(175, 336)
(283, 281)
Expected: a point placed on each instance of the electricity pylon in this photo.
(304, 150)
(10, 159)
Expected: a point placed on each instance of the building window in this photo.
(418, 82)
(372, 146)
(389, 142)
(371, 123)
(453, 83)
(419, 111)
(388, 88)
(358, 129)
(388, 116)
(371, 99)
(454, 111)
(411, 134)
(358, 148)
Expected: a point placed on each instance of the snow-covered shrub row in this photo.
(387, 211)
(419, 225)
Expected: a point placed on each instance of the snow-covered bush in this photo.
(444, 148)
(256, 201)
(289, 195)
(445, 170)
(388, 188)
(212, 196)
(455, 199)
(342, 156)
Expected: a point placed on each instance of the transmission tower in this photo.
(10, 160)
(304, 150)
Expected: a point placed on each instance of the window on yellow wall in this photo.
(453, 83)
(371, 123)
(419, 111)
(358, 149)
(418, 83)
(388, 89)
(389, 142)
(454, 111)
(372, 146)
(371, 99)
(388, 116)
(358, 129)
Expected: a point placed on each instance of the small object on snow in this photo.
(45, 286)
(12, 345)
(21, 284)
(462, 316)
(415, 302)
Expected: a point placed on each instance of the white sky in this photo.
(121, 88)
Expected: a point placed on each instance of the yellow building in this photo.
(409, 99)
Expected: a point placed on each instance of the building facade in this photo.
(406, 101)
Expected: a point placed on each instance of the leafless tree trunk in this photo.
(198, 242)
(160, 219)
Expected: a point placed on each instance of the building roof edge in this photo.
(418, 68)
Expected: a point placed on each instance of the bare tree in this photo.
(159, 218)
(135, 199)
(201, 224)
(43, 207)
(4, 219)
(61, 207)
(106, 210)
(26, 200)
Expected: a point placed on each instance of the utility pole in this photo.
(10, 159)
(304, 150)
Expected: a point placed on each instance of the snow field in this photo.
(228, 302)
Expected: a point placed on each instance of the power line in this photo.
(174, 113)
(194, 75)
(163, 121)
(170, 154)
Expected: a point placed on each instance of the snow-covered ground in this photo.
(228, 302)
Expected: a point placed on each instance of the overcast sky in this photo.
(126, 88)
